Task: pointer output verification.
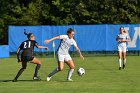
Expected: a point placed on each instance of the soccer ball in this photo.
(80, 71)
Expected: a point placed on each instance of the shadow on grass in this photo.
(5, 80)
(36, 81)
(21, 80)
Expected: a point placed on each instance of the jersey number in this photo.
(27, 44)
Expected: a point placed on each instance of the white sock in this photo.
(124, 61)
(70, 73)
(53, 72)
(120, 62)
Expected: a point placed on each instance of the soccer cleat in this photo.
(69, 80)
(14, 80)
(48, 78)
(123, 66)
(119, 68)
(36, 78)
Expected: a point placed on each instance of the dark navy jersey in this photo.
(28, 47)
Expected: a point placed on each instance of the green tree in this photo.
(66, 12)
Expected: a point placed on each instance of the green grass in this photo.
(102, 76)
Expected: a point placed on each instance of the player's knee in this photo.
(124, 58)
(36, 61)
(39, 63)
(23, 68)
(60, 68)
(72, 67)
(120, 57)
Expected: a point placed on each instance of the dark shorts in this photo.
(26, 58)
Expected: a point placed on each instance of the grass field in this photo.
(102, 76)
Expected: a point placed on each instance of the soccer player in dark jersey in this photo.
(27, 48)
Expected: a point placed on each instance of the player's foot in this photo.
(36, 78)
(48, 78)
(14, 80)
(69, 80)
(123, 66)
(119, 68)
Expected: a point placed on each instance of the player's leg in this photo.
(24, 65)
(120, 56)
(71, 65)
(59, 68)
(38, 65)
(120, 59)
(124, 59)
(60, 60)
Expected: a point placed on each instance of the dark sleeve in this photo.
(21, 45)
(19, 48)
(35, 44)
(18, 53)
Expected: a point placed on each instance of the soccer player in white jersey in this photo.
(63, 55)
(122, 38)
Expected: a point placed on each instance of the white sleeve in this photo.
(118, 35)
(127, 36)
(74, 43)
(63, 36)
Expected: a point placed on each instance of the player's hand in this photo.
(46, 48)
(46, 41)
(81, 56)
(119, 40)
(19, 60)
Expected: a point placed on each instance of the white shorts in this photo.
(122, 48)
(63, 58)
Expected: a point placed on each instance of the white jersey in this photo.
(65, 44)
(122, 37)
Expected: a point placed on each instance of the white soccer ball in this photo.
(80, 71)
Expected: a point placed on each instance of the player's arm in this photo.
(117, 38)
(126, 40)
(79, 52)
(54, 38)
(38, 46)
(18, 53)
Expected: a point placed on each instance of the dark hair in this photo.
(28, 35)
(69, 31)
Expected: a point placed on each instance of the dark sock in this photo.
(19, 73)
(36, 70)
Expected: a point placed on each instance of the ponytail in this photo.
(25, 33)
(28, 35)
